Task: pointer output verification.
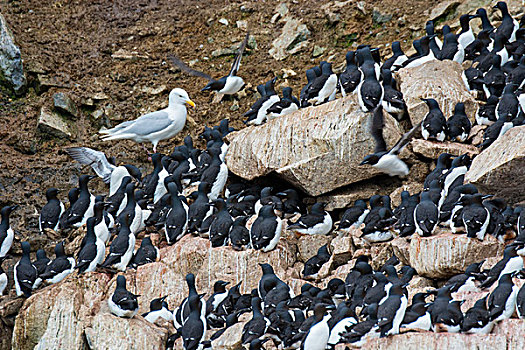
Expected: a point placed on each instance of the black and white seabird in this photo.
(176, 224)
(218, 296)
(476, 319)
(475, 216)
(40, 263)
(319, 333)
(510, 263)
(199, 210)
(369, 91)
(132, 210)
(502, 301)
(50, 212)
(354, 216)
(227, 85)
(397, 59)
(123, 303)
(465, 282)
(92, 249)
(221, 224)
(434, 124)
(257, 326)
(82, 209)
(452, 50)
(508, 27)
(425, 55)
(316, 222)
(25, 273)
(3, 278)
(60, 267)
(350, 78)
(391, 312)
(121, 248)
(257, 113)
(216, 174)
(385, 160)
(286, 105)
(193, 330)
(458, 125)
(105, 168)
(158, 309)
(239, 235)
(393, 101)
(426, 215)
(323, 86)
(359, 333)
(147, 253)
(445, 312)
(314, 264)
(181, 314)
(520, 302)
(417, 315)
(292, 204)
(101, 224)
(72, 197)
(6, 232)
(266, 229)
(466, 36)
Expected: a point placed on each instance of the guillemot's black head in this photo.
(370, 159)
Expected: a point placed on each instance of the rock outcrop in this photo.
(444, 254)
(440, 80)
(52, 124)
(500, 169)
(11, 67)
(432, 149)
(317, 149)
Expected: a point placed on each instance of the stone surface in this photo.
(293, 38)
(444, 254)
(11, 67)
(231, 339)
(55, 317)
(440, 80)
(63, 103)
(499, 168)
(110, 332)
(346, 196)
(310, 146)
(432, 149)
(53, 124)
(308, 245)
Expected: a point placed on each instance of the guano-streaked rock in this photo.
(440, 80)
(444, 254)
(52, 124)
(317, 149)
(501, 167)
(432, 149)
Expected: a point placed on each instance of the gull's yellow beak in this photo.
(191, 103)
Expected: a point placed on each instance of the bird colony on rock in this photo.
(188, 192)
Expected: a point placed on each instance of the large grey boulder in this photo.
(317, 149)
(11, 67)
(440, 80)
(500, 169)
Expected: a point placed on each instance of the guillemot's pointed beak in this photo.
(191, 103)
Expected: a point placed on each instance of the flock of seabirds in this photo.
(368, 303)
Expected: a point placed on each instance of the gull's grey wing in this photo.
(147, 124)
(405, 139)
(237, 61)
(377, 129)
(184, 67)
(95, 159)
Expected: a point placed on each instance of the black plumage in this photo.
(50, 213)
(314, 264)
(25, 273)
(458, 125)
(147, 253)
(434, 124)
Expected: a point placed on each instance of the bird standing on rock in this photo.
(156, 126)
(123, 303)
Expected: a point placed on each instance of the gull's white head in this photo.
(180, 96)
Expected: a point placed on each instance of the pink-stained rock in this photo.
(444, 254)
(432, 149)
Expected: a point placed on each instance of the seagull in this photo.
(104, 167)
(227, 85)
(382, 159)
(156, 126)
